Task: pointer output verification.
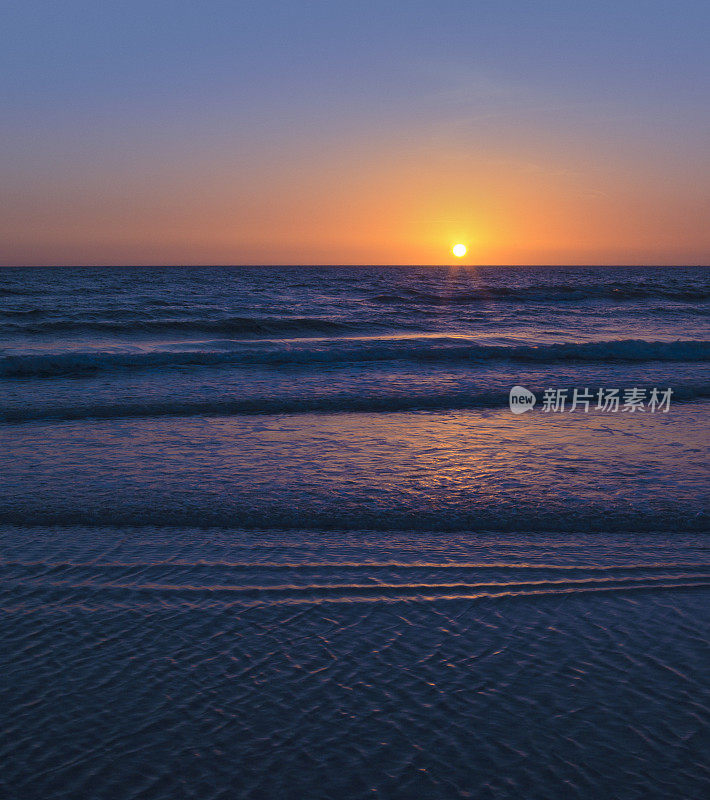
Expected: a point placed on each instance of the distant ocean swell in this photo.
(235, 325)
(352, 351)
(545, 293)
(537, 293)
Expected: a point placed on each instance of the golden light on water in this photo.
(459, 250)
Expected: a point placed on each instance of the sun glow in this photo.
(459, 250)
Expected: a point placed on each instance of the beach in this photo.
(278, 533)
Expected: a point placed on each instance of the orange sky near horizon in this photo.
(248, 135)
(401, 207)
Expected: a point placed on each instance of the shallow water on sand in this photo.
(162, 663)
(467, 470)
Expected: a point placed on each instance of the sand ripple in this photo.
(175, 663)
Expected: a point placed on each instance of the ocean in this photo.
(276, 532)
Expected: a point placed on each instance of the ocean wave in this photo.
(20, 291)
(533, 520)
(263, 326)
(334, 351)
(22, 313)
(547, 293)
(313, 403)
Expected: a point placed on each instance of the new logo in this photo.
(521, 399)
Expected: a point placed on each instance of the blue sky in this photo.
(112, 102)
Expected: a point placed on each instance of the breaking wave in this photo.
(351, 351)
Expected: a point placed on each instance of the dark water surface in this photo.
(275, 533)
(170, 663)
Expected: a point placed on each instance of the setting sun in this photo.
(459, 250)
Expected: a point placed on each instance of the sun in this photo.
(459, 250)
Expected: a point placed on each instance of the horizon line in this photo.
(362, 264)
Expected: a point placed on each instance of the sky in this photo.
(339, 132)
